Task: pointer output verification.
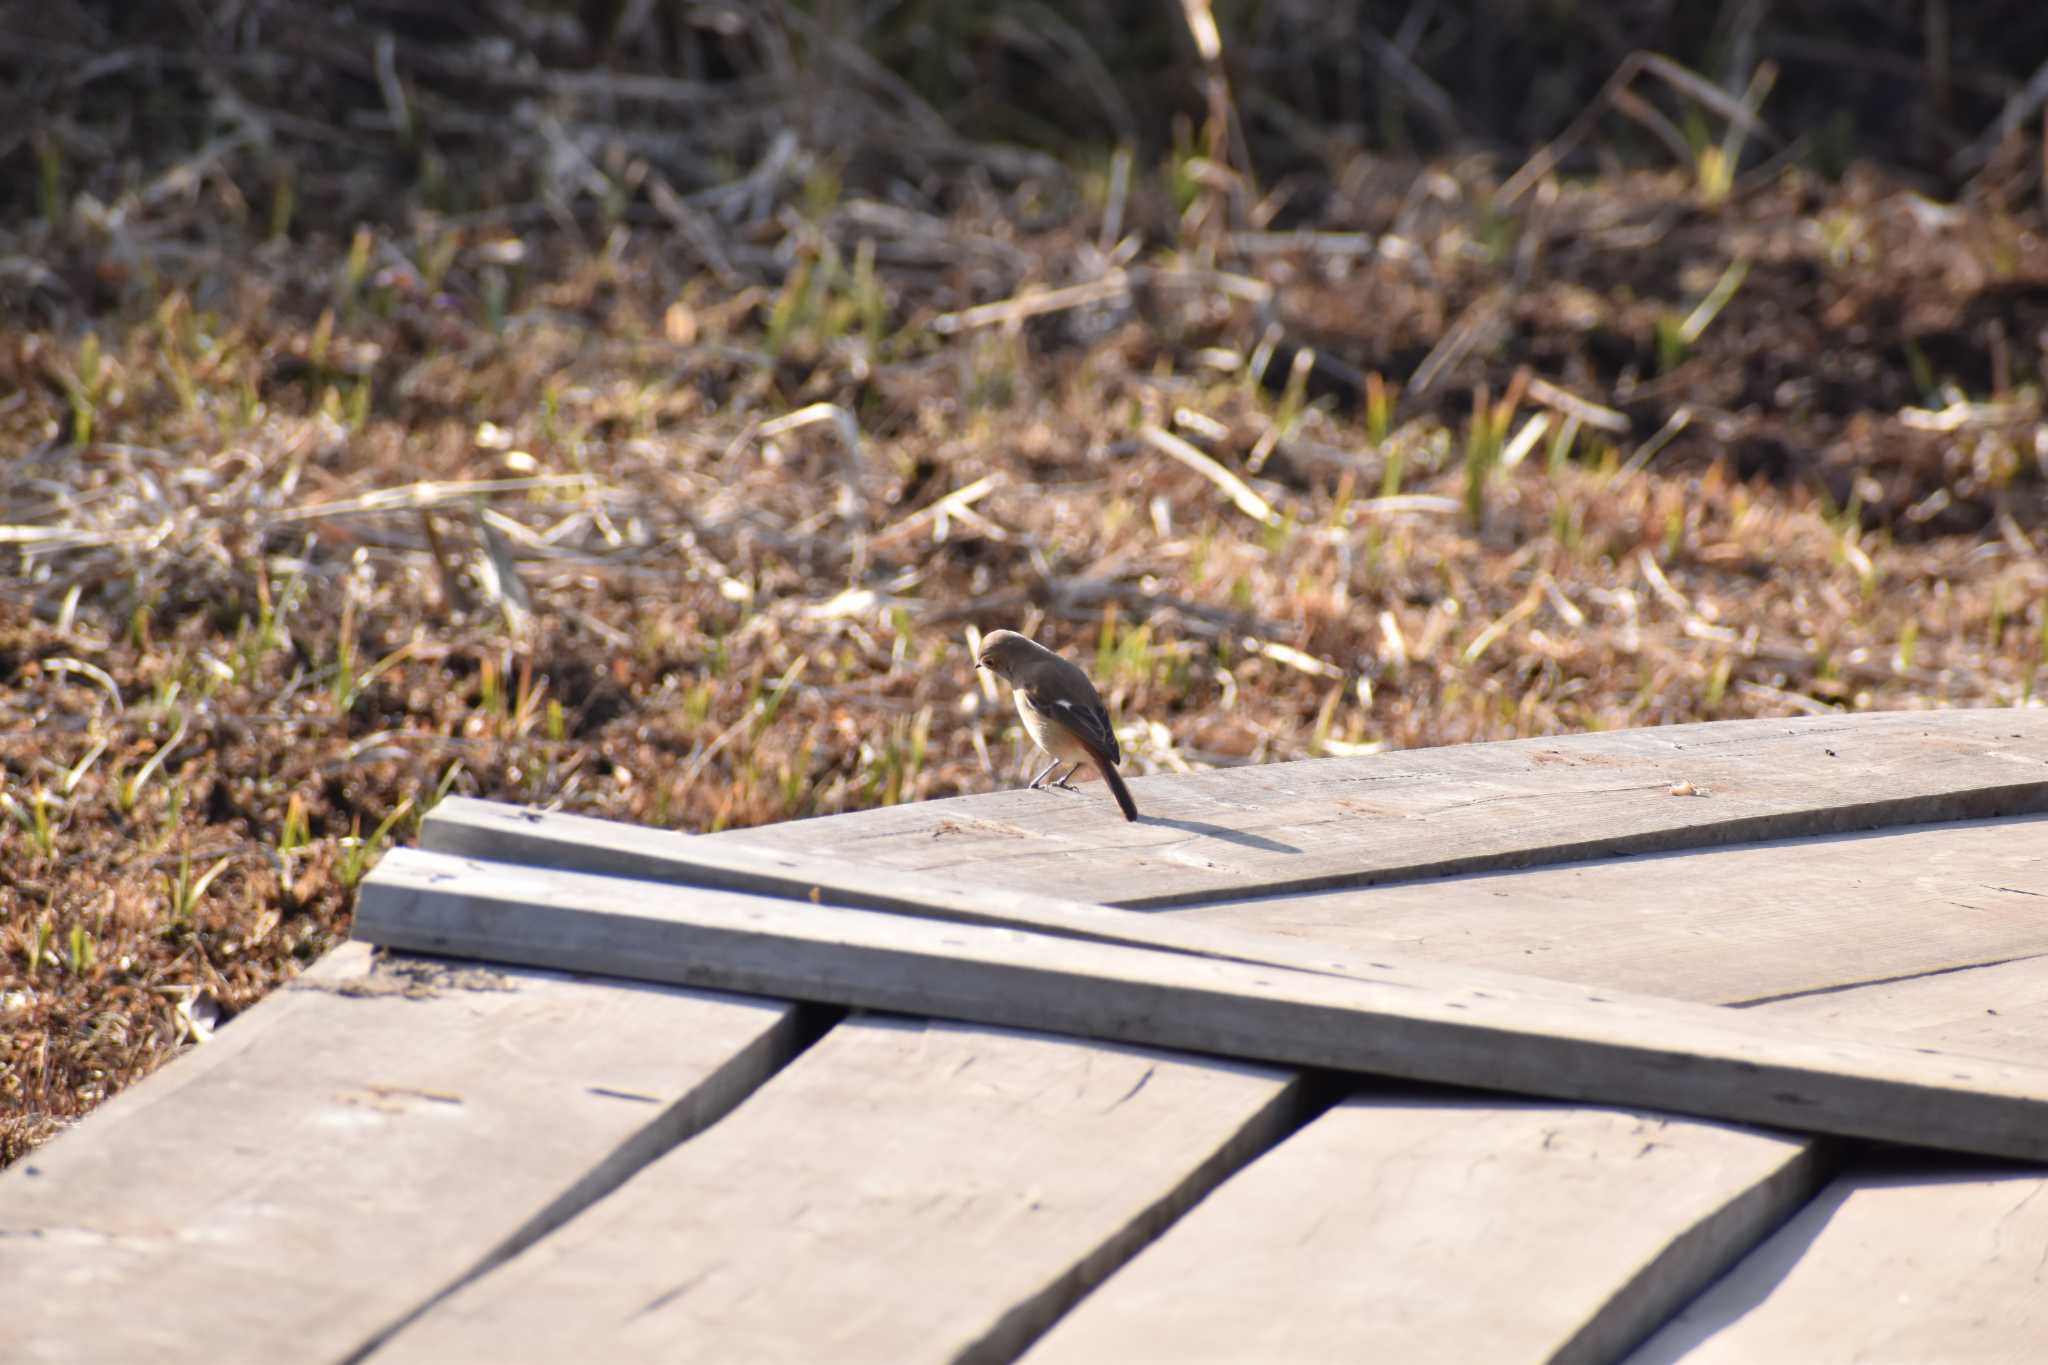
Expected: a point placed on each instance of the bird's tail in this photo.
(1118, 789)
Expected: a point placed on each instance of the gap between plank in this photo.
(1983, 803)
(1308, 1097)
(1848, 986)
(704, 1105)
(1419, 1020)
(1701, 1255)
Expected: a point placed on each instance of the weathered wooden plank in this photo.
(1871, 933)
(352, 1146)
(1999, 1010)
(493, 831)
(1888, 1265)
(1408, 1230)
(1756, 922)
(1724, 926)
(1326, 823)
(1419, 1021)
(902, 1192)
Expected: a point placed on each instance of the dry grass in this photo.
(679, 511)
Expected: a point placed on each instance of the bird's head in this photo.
(1001, 650)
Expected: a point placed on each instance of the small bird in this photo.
(1060, 709)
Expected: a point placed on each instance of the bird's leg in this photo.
(1035, 783)
(1066, 783)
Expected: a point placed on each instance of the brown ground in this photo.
(229, 676)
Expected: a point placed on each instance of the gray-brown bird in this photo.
(1060, 709)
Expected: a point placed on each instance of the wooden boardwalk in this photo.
(1495, 1053)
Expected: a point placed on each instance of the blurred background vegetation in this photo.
(1916, 84)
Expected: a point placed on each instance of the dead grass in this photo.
(679, 509)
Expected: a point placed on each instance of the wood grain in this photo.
(1417, 1020)
(1724, 926)
(1887, 1265)
(1423, 1231)
(1334, 822)
(351, 1147)
(902, 1192)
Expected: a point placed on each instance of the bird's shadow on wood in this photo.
(1232, 836)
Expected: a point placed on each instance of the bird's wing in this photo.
(1089, 722)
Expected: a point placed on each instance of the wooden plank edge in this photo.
(505, 833)
(500, 832)
(717, 1095)
(1700, 1255)
(337, 965)
(1971, 736)
(1419, 1021)
(1977, 803)
(496, 832)
(1031, 1318)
